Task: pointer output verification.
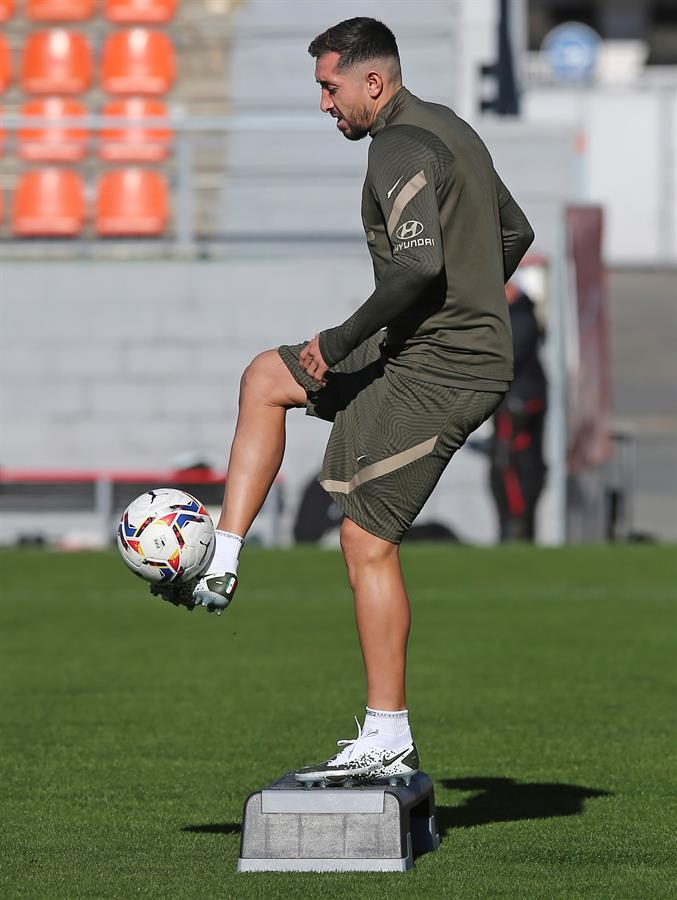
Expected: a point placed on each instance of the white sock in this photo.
(226, 553)
(392, 726)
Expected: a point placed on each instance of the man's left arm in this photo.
(404, 173)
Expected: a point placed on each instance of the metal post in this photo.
(667, 168)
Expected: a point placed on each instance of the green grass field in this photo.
(541, 689)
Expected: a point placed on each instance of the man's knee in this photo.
(268, 378)
(257, 375)
(360, 547)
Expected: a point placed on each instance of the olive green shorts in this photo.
(392, 437)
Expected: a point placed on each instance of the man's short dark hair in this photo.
(356, 41)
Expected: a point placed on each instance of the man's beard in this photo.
(358, 127)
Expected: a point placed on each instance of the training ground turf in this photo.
(542, 691)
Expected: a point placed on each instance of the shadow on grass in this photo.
(493, 800)
(506, 800)
(216, 828)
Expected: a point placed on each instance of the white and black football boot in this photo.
(363, 760)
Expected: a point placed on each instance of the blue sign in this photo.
(571, 51)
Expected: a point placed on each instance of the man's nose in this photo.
(326, 102)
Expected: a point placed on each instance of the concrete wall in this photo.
(127, 365)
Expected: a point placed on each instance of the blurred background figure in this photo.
(517, 469)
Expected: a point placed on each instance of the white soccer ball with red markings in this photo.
(166, 535)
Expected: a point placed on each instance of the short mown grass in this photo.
(542, 696)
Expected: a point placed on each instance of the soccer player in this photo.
(417, 368)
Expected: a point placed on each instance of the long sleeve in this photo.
(516, 231)
(404, 175)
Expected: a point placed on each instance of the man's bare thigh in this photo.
(286, 387)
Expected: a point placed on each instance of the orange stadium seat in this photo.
(56, 143)
(135, 143)
(5, 65)
(56, 62)
(60, 10)
(6, 10)
(49, 203)
(132, 202)
(140, 11)
(138, 61)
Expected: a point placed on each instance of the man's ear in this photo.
(374, 84)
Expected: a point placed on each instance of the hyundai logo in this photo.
(409, 230)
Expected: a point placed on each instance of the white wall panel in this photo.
(624, 176)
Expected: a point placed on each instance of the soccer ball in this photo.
(166, 535)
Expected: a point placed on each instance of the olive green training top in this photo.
(444, 236)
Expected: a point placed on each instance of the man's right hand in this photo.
(312, 362)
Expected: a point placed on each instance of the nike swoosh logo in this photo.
(361, 457)
(398, 757)
(394, 186)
